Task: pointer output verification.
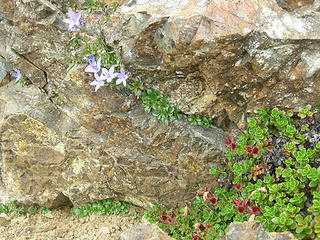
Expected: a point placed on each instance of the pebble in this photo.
(104, 230)
(48, 215)
(4, 222)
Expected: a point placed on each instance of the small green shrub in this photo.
(103, 207)
(92, 5)
(16, 209)
(161, 108)
(274, 166)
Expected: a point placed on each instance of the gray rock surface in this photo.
(144, 232)
(222, 58)
(253, 230)
(5, 68)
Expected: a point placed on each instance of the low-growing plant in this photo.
(44, 209)
(16, 209)
(153, 101)
(136, 215)
(275, 172)
(92, 5)
(103, 207)
(195, 119)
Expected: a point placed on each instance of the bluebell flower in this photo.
(109, 75)
(98, 81)
(93, 66)
(75, 22)
(122, 77)
(17, 75)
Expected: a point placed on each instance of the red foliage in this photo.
(251, 150)
(244, 207)
(238, 187)
(196, 237)
(230, 143)
(207, 195)
(167, 219)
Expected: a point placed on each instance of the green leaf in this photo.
(289, 222)
(283, 220)
(299, 219)
(299, 229)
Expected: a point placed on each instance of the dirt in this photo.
(60, 224)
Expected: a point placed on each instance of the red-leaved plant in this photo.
(167, 219)
(207, 195)
(243, 206)
(230, 143)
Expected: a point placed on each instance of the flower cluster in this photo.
(108, 75)
(17, 75)
(75, 22)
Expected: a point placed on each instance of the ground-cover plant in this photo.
(161, 108)
(103, 207)
(16, 209)
(92, 5)
(275, 170)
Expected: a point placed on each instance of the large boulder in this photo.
(101, 145)
(222, 58)
(61, 142)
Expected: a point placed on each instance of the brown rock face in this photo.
(95, 145)
(222, 59)
(104, 148)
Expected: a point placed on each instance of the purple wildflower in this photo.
(93, 66)
(109, 75)
(75, 22)
(122, 77)
(17, 75)
(98, 82)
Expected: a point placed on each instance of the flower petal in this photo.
(111, 70)
(89, 68)
(77, 18)
(93, 83)
(119, 80)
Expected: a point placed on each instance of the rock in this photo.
(253, 230)
(104, 230)
(293, 4)
(5, 67)
(216, 58)
(95, 145)
(100, 150)
(48, 215)
(4, 222)
(222, 59)
(145, 232)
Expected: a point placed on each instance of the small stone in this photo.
(104, 230)
(146, 232)
(4, 222)
(48, 215)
